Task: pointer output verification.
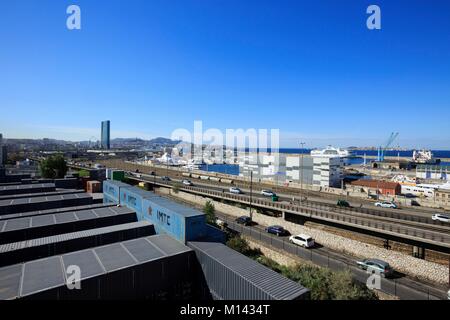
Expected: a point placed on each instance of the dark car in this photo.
(277, 230)
(246, 221)
(377, 265)
(343, 204)
(165, 178)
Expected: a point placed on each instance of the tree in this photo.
(176, 187)
(210, 211)
(54, 167)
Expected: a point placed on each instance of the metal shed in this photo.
(20, 229)
(155, 267)
(233, 276)
(17, 252)
(40, 194)
(43, 203)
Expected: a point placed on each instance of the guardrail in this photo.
(396, 287)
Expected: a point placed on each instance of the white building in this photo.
(263, 166)
(328, 169)
(298, 169)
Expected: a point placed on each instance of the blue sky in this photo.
(309, 68)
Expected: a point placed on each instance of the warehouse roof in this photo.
(26, 186)
(40, 194)
(58, 218)
(56, 210)
(269, 281)
(375, 184)
(40, 275)
(7, 247)
(12, 202)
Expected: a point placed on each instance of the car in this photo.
(386, 204)
(377, 265)
(268, 193)
(165, 178)
(222, 224)
(277, 230)
(343, 204)
(235, 190)
(448, 295)
(302, 240)
(441, 217)
(187, 182)
(246, 221)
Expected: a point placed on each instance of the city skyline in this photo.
(290, 66)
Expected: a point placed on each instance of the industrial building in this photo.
(136, 245)
(435, 172)
(376, 187)
(105, 135)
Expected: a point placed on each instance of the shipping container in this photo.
(43, 203)
(118, 175)
(93, 186)
(195, 176)
(226, 181)
(155, 268)
(133, 197)
(214, 179)
(233, 276)
(204, 177)
(111, 191)
(26, 228)
(179, 221)
(186, 174)
(28, 188)
(27, 250)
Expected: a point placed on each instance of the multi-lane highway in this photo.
(392, 224)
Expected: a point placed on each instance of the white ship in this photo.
(330, 151)
(424, 156)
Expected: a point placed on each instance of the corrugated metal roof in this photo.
(180, 209)
(40, 194)
(272, 283)
(57, 218)
(43, 274)
(12, 202)
(56, 210)
(27, 186)
(72, 235)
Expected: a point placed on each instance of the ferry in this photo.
(330, 151)
(424, 157)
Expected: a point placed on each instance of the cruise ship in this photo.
(424, 157)
(330, 151)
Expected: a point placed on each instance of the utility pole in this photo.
(251, 193)
(301, 171)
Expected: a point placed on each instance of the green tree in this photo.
(241, 245)
(54, 167)
(176, 187)
(210, 212)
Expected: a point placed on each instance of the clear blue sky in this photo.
(309, 68)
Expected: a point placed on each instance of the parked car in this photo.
(441, 217)
(222, 224)
(343, 204)
(165, 178)
(377, 265)
(302, 240)
(268, 193)
(386, 204)
(246, 221)
(235, 190)
(277, 230)
(187, 182)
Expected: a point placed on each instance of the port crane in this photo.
(389, 141)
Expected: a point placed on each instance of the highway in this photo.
(428, 235)
(399, 285)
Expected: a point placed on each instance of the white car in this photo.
(440, 217)
(187, 183)
(386, 204)
(235, 190)
(267, 193)
(302, 240)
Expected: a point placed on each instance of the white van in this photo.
(302, 240)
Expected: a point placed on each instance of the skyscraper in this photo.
(105, 135)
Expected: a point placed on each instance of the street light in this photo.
(301, 171)
(251, 193)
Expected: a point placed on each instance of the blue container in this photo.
(132, 198)
(168, 217)
(111, 191)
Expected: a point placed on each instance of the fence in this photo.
(396, 286)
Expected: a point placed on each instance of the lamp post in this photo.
(251, 193)
(301, 171)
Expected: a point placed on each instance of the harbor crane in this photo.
(389, 141)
